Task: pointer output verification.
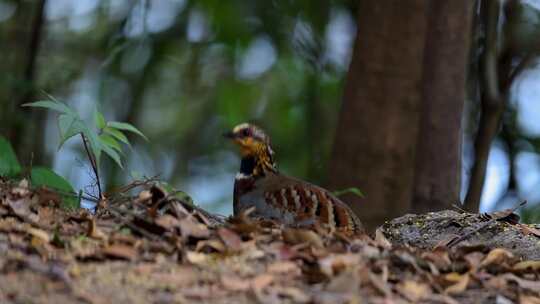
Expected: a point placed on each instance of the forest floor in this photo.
(154, 248)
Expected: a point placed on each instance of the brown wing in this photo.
(310, 202)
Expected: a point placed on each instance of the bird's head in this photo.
(254, 144)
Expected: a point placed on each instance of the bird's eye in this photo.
(246, 132)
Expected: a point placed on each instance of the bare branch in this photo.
(493, 103)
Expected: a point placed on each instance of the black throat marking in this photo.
(247, 166)
(252, 166)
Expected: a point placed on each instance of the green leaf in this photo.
(69, 125)
(109, 141)
(126, 127)
(116, 134)
(99, 120)
(51, 105)
(352, 190)
(9, 165)
(113, 154)
(41, 176)
(181, 195)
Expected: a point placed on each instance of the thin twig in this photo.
(521, 66)
(457, 240)
(137, 183)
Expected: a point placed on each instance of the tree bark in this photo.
(399, 133)
(438, 158)
(374, 147)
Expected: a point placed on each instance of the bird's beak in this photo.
(229, 135)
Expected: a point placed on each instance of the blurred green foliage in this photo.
(102, 136)
(9, 165)
(183, 71)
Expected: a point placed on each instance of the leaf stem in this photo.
(93, 163)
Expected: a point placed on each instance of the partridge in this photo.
(275, 196)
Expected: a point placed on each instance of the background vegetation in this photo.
(183, 71)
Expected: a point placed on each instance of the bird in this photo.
(275, 196)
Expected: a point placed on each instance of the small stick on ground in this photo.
(459, 239)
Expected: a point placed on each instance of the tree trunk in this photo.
(24, 129)
(400, 124)
(438, 157)
(374, 146)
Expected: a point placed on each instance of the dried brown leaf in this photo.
(533, 286)
(197, 258)
(144, 197)
(190, 227)
(120, 252)
(381, 239)
(213, 244)
(230, 239)
(474, 259)
(335, 263)
(523, 299)
(296, 294)
(527, 265)
(496, 282)
(167, 221)
(460, 286)
(379, 284)
(345, 282)
(413, 291)
(38, 233)
(21, 207)
(261, 281)
(21, 189)
(496, 256)
(284, 267)
(243, 224)
(506, 215)
(48, 197)
(233, 283)
(93, 231)
(299, 236)
(439, 257)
